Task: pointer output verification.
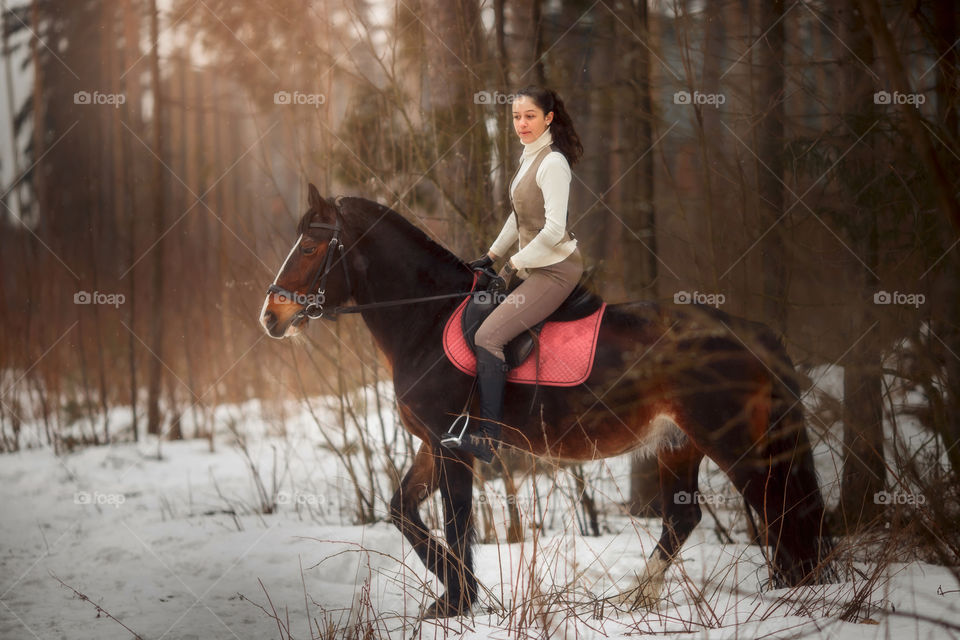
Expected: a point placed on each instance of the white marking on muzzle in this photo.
(283, 267)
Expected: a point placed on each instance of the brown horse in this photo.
(726, 384)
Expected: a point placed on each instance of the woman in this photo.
(548, 259)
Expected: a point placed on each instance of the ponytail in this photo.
(561, 129)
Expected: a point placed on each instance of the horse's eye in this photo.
(309, 250)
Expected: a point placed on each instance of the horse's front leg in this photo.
(417, 485)
(455, 567)
(451, 562)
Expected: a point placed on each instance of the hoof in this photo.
(443, 608)
(648, 590)
(640, 597)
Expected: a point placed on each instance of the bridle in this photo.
(314, 309)
(318, 284)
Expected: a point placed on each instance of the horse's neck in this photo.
(406, 331)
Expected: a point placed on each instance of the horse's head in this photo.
(314, 275)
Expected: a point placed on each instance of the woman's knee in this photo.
(486, 338)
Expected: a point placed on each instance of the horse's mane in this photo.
(365, 214)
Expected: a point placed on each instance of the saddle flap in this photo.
(564, 356)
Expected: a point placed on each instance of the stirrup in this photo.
(451, 439)
(480, 445)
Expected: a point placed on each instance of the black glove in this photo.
(481, 263)
(497, 286)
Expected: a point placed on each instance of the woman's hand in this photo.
(506, 274)
(482, 263)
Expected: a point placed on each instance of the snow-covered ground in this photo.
(180, 547)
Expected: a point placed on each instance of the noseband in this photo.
(314, 309)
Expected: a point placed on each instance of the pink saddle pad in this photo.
(563, 357)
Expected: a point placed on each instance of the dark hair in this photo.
(564, 135)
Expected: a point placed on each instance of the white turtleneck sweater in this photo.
(553, 178)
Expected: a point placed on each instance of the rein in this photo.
(314, 310)
(357, 308)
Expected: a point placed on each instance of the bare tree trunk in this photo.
(603, 160)
(640, 246)
(503, 141)
(12, 111)
(639, 215)
(155, 372)
(769, 170)
(515, 526)
(946, 195)
(536, 55)
(590, 513)
(948, 67)
(864, 472)
(948, 103)
(103, 231)
(455, 72)
(126, 201)
(39, 114)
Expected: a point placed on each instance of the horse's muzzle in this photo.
(272, 325)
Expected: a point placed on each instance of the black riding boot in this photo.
(491, 376)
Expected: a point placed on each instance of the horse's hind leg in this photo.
(761, 444)
(782, 488)
(679, 469)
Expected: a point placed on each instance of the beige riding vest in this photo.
(527, 201)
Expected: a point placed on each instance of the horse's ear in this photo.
(313, 198)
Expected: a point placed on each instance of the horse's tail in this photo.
(803, 542)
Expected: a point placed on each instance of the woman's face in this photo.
(529, 120)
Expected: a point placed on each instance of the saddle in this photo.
(579, 304)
